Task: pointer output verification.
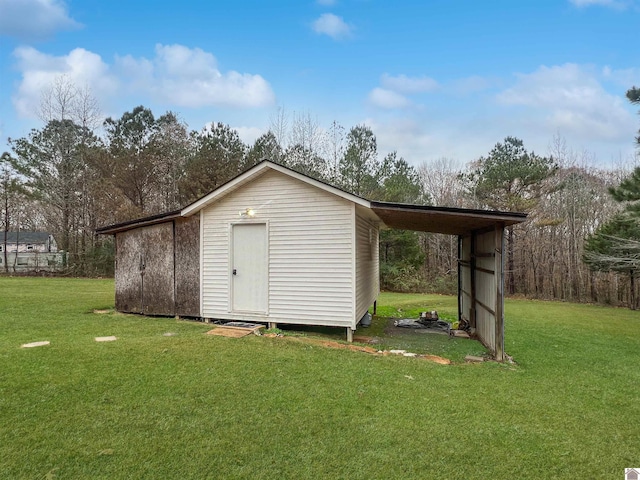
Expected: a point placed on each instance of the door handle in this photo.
(234, 272)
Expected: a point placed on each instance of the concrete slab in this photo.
(460, 333)
(35, 344)
(106, 339)
(473, 358)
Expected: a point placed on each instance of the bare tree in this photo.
(335, 148)
(64, 100)
(279, 126)
(441, 181)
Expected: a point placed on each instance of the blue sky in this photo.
(432, 78)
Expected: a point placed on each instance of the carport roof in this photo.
(452, 221)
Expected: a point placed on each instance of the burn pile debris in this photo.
(426, 321)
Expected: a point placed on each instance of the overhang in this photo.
(139, 222)
(451, 221)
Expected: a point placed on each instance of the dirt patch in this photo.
(233, 332)
(437, 359)
(363, 339)
(359, 348)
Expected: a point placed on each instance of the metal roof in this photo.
(452, 221)
(138, 222)
(26, 237)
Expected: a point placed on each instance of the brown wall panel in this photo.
(187, 266)
(129, 247)
(158, 281)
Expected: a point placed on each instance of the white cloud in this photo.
(584, 104)
(34, 19)
(408, 85)
(249, 134)
(40, 70)
(570, 98)
(472, 84)
(382, 98)
(177, 76)
(333, 26)
(188, 77)
(618, 4)
(395, 90)
(625, 78)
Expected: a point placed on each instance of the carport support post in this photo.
(499, 279)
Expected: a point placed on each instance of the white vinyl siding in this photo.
(310, 252)
(367, 274)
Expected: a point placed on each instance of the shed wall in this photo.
(486, 290)
(480, 276)
(464, 274)
(157, 269)
(187, 266)
(158, 295)
(128, 287)
(310, 252)
(367, 265)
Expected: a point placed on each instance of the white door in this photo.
(249, 268)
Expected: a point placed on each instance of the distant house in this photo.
(25, 251)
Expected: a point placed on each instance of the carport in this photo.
(480, 259)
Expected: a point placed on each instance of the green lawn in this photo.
(193, 406)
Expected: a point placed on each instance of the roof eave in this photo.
(140, 222)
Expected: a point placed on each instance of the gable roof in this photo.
(36, 238)
(452, 221)
(257, 171)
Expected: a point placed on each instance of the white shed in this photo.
(280, 247)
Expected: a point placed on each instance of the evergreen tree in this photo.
(53, 162)
(615, 247)
(359, 166)
(633, 95)
(509, 178)
(218, 155)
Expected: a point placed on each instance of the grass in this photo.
(192, 406)
(392, 306)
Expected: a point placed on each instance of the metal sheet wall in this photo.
(480, 280)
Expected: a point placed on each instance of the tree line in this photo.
(76, 173)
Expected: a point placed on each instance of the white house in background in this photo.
(26, 241)
(24, 251)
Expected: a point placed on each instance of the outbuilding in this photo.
(278, 247)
